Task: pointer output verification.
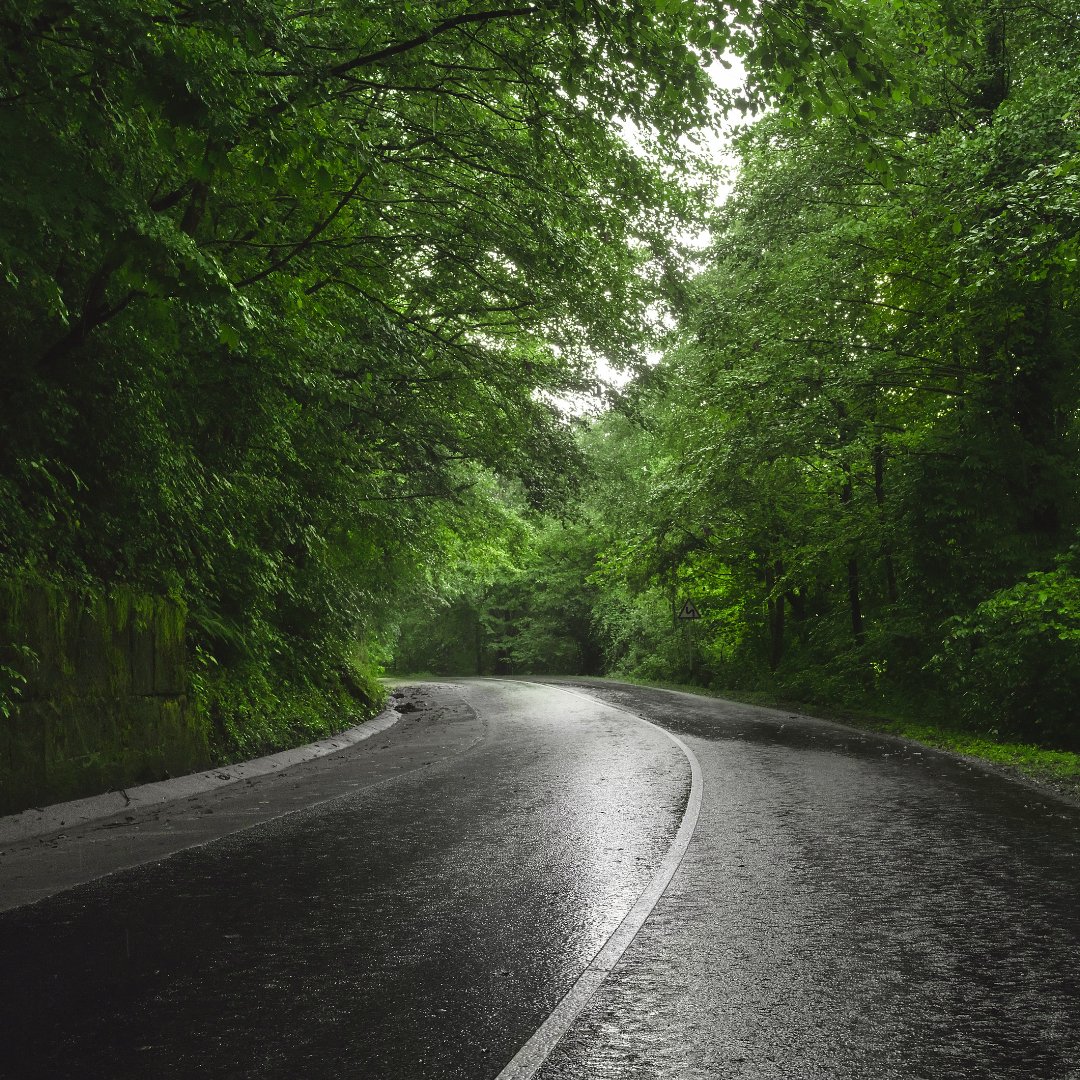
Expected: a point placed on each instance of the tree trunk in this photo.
(797, 600)
(854, 599)
(879, 498)
(775, 607)
(855, 602)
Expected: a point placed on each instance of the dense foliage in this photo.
(286, 290)
(290, 295)
(859, 455)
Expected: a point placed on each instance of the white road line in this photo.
(531, 1057)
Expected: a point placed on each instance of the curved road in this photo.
(423, 904)
(852, 906)
(416, 905)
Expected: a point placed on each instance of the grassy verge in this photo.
(250, 715)
(1056, 769)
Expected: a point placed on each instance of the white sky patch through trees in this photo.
(714, 146)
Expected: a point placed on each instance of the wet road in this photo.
(422, 924)
(848, 907)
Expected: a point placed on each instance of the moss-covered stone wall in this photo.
(93, 694)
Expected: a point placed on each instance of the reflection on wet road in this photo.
(423, 926)
(850, 907)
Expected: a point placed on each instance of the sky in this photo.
(715, 146)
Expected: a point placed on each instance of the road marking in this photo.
(531, 1057)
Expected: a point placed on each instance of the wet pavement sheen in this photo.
(850, 907)
(420, 926)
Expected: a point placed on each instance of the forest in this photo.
(302, 307)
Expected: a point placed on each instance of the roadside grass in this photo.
(1058, 770)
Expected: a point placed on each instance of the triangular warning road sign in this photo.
(689, 611)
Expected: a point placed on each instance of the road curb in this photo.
(39, 821)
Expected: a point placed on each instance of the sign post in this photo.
(687, 616)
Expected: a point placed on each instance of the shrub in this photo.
(1014, 663)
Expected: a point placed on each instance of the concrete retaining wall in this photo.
(95, 694)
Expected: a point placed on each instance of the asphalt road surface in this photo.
(415, 906)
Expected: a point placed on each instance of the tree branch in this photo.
(308, 240)
(422, 39)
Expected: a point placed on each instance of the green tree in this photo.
(868, 426)
(281, 284)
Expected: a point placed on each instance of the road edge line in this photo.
(532, 1056)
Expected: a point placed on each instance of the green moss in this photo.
(143, 611)
(82, 725)
(115, 701)
(171, 616)
(61, 613)
(12, 611)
